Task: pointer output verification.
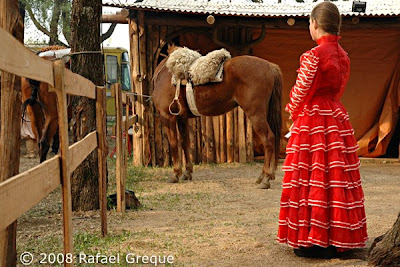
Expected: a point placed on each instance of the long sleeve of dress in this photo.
(306, 73)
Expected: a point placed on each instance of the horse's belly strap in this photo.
(190, 99)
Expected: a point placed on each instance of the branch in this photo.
(65, 29)
(35, 21)
(109, 32)
(41, 28)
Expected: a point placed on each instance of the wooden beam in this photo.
(10, 22)
(75, 84)
(230, 141)
(222, 137)
(242, 136)
(102, 151)
(131, 120)
(120, 17)
(215, 122)
(81, 150)
(19, 60)
(119, 172)
(136, 79)
(23, 191)
(143, 89)
(65, 172)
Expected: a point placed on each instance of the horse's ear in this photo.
(171, 47)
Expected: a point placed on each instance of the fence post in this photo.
(102, 154)
(120, 153)
(12, 22)
(65, 173)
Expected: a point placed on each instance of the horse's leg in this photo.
(49, 130)
(183, 127)
(56, 142)
(44, 144)
(262, 129)
(172, 134)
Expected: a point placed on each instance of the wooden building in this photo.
(279, 33)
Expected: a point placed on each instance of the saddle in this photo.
(187, 64)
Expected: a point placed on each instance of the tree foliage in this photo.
(51, 17)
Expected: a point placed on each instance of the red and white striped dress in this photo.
(322, 199)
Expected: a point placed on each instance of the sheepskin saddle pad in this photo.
(185, 64)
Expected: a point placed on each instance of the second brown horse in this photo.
(250, 82)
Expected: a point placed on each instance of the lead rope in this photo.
(177, 91)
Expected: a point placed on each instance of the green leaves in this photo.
(44, 13)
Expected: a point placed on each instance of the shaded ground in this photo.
(219, 219)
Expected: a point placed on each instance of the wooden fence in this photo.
(123, 123)
(21, 192)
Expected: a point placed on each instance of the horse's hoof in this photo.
(173, 180)
(185, 177)
(264, 185)
(260, 179)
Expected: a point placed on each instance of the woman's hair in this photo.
(327, 16)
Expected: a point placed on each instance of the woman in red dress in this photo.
(322, 203)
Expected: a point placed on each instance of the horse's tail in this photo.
(274, 115)
(35, 85)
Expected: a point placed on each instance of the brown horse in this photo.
(250, 82)
(41, 107)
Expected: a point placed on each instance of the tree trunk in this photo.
(11, 21)
(385, 251)
(85, 36)
(54, 22)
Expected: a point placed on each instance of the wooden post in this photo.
(65, 173)
(215, 121)
(135, 62)
(236, 134)
(192, 139)
(149, 59)
(222, 137)
(165, 143)
(102, 151)
(158, 137)
(120, 157)
(241, 136)
(199, 143)
(210, 140)
(127, 126)
(11, 21)
(143, 89)
(203, 140)
(230, 142)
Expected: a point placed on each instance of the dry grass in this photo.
(219, 219)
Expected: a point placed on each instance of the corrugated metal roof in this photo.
(269, 8)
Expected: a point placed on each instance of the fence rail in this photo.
(21, 192)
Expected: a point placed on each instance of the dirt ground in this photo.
(218, 219)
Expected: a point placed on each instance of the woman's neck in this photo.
(319, 33)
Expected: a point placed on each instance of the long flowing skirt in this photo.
(322, 198)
